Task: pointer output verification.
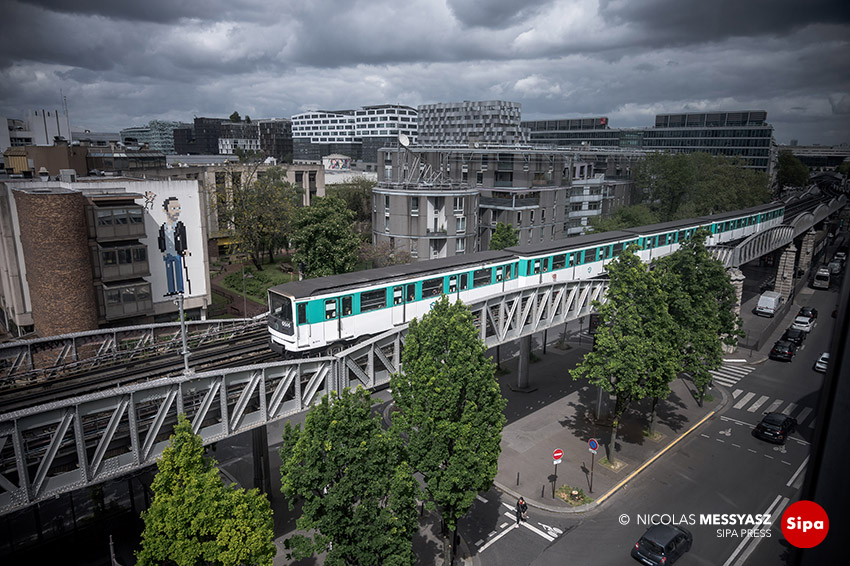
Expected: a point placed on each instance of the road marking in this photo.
(736, 393)
(749, 537)
(753, 546)
(773, 406)
(481, 499)
(751, 450)
(480, 542)
(730, 375)
(784, 462)
(532, 529)
(804, 414)
(737, 421)
(798, 472)
(718, 440)
(755, 406)
(736, 445)
(787, 410)
(704, 435)
(737, 360)
(744, 400)
(766, 456)
(494, 539)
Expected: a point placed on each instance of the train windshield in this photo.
(280, 307)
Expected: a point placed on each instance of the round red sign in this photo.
(557, 454)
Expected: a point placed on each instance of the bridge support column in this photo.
(737, 278)
(524, 354)
(807, 251)
(260, 441)
(785, 272)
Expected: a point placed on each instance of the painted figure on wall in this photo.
(172, 244)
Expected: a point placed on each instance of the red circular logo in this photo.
(805, 524)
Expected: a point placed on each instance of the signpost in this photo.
(556, 456)
(594, 446)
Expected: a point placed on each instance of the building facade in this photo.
(276, 138)
(380, 126)
(319, 133)
(158, 135)
(496, 122)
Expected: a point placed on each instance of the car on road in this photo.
(775, 427)
(662, 544)
(804, 323)
(808, 312)
(840, 256)
(795, 335)
(783, 350)
(822, 363)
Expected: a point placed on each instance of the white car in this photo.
(840, 256)
(804, 323)
(822, 363)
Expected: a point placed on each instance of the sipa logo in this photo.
(805, 524)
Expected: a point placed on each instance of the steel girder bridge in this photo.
(79, 442)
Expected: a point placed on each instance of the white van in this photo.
(769, 303)
(821, 279)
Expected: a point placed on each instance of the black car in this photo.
(783, 350)
(794, 335)
(662, 544)
(808, 312)
(775, 427)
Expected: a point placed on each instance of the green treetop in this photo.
(504, 236)
(324, 238)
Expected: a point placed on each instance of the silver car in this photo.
(804, 323)
(822, 363)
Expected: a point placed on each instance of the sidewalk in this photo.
(560, 414)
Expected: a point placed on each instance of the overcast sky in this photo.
(123, 63)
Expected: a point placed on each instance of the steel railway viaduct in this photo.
(80, 441)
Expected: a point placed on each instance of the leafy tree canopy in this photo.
(357, 194)
(383, 254)
(450, 408)
(235, 117)
(324, 238)
(358, 494)
(791, 172)
(504, 236)
(624, 217)
(844, 168)
(194, 519)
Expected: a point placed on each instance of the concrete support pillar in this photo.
(807, 251)
(737, 278)
(260, 442)
(785, 272)
(524, 354)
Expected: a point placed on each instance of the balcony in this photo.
(509, 203)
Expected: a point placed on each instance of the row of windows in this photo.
(128, 295)
(119, 216)
(124, 256)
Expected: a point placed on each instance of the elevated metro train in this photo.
(311, 315)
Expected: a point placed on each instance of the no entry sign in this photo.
(557, 455)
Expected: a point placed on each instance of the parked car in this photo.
(835, 267)
(822, 363)
(783, 350)
(840, 256)
(808, 312)
(775, 427)
(769, 303)
(662, 544)
(795, 335)
(804, 323)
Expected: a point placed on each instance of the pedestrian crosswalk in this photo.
(757, 404)
(731, 373)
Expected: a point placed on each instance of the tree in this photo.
(260, 212)
(195, 519)
(504, 236)
(624, 217)
(697, 184)
(450, 409)
(791, 172)
(634, 354)
(357, 194)
(324, 239)
(235, 117)
(701, 300)
(383, 254)
(358, 493)
(247, 119)
(844, 168)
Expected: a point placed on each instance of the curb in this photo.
(612, 491)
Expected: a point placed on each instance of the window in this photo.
(452, 283)
(559, 261)
(387, 203)
(113, 297)
(464, 281)
(398, 295)
(536, 267)
(347, 305)
(411, 292)
(499, 271)
(373, 300)
(479, 178)
(301, 309)
(140, 255)
(460, 225)
(386, 223)
(531, 221)
(460, 246)
(458, 205)
(519, 218)
(481, 277)
(104, 218)
(432, 287)
(330, 309)
(135, 215)
(414, 206)
(109, 258)
(125, 256)
(542, 215)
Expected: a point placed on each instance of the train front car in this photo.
(281, 323)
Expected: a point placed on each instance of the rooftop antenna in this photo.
(67, 118)
(403, 141)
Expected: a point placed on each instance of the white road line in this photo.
(755, 406)
(798, 472)
(532, 529)
(737, 421)
(704, 435)
(737, 360)
(744, 400)
(481, 499)
(736, 445)
(736, 393)
(725, 381)
(751, 450)
(787, 410)
(480, 542)
(718, 440)
(773, 406)
(494, 539)
(746, 540)
(803, 414)
(784, 462)
(766, 456)
(756, 542)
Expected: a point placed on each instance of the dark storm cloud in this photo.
(157, 11)
(497, 14)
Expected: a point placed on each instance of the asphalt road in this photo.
(719, 469)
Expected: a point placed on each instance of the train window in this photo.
(301, 308)
(559, 261)
(373, 300)
(499, 273)
(411, 292)
(452, 283)
(536, 268)
(398, 295)
(572, 260)
(680, 237)
(330, 309)
(509, 271)
(618, 248)
(464, 281)
(347, 305)
(481, 277)
(432, 287)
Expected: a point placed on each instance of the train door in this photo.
(346, 321)
(302, 328)
(331, 323)
(409, 301)
(398, 304)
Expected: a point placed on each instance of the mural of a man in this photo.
(172, 244)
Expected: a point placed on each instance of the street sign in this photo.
(594, 446)
(557, 455)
